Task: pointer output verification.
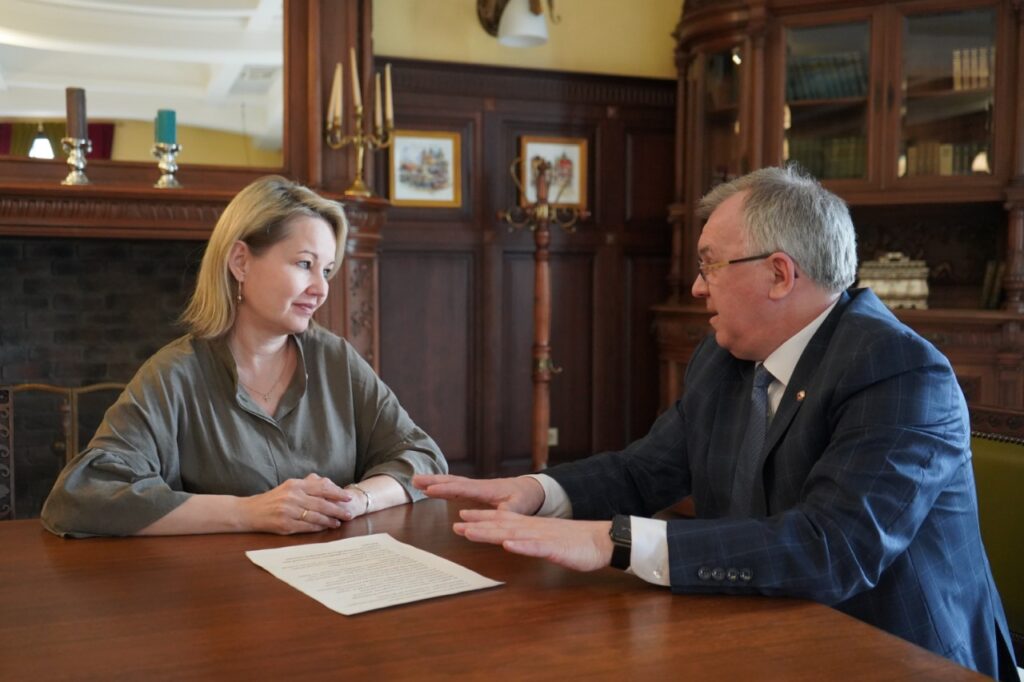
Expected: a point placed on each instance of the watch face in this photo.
(621, 531)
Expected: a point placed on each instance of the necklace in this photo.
(261, 394)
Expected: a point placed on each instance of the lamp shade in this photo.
(519, 27)
(41, 147)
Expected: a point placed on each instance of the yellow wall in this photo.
(133, 141)
(620, 37)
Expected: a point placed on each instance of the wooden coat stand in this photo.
(539, 217)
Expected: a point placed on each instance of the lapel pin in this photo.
(800, 395)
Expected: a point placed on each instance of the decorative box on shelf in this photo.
(897, 280)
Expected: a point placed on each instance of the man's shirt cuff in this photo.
(648, 559)
(556, 502)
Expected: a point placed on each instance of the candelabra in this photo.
(76, 148)
(362, 140)
(166, 154)
(539, 217)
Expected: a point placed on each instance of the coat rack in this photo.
(539, 217)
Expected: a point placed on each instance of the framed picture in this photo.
(426, 168)
(568, 159)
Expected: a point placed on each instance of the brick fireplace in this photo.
(75, 312)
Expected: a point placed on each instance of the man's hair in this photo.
(260, 215)
(787, 210)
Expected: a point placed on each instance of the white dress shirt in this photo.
(649, 554)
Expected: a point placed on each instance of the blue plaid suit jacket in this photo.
(866, 499)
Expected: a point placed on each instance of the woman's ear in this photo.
(238, 260)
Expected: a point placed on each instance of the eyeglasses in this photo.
(705, 268)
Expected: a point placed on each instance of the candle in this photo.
(334, 108)
(76, 114)
(389, 103)
(378, 115)
(357, 97)
(165, 130)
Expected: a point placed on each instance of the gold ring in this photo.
(303, 517)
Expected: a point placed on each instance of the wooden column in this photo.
(352, 309)
(1013, 282)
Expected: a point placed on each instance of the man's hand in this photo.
(523, 495)
(580, 545)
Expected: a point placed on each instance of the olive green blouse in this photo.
(184, 425)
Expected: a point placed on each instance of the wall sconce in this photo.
(516, 23)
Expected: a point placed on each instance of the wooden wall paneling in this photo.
(514, 386)
(427, 344)
(494, 107)
(649, 182)
(646, 279)
(602, 237)
(575, 400)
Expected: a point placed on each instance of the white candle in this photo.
(378, 115)
(357, 97)
(334, 107)
(389, 103)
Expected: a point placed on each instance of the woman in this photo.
(252, 420)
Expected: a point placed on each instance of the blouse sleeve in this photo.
(388, 441)
(128, 476)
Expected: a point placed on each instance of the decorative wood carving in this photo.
(351, 312)
(424, 78)
(998, 423)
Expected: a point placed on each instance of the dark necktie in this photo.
(741, 501)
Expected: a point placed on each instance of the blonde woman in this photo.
(257, 419)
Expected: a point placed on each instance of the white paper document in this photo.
(366, 573)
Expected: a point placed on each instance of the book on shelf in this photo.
(996, 290)
(986, 284)
(974, 68)
(984, 79)
(826, 76)
(945, 159)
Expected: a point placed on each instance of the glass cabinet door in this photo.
(825, 115)
(948, 88)
(721, 117)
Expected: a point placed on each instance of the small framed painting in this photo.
(426, 168)
(567, 157)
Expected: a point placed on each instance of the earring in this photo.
(240, 298)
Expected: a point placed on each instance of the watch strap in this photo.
(621, 534)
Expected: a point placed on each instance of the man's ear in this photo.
(238, 260)
(784, 275)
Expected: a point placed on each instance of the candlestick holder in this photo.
(539, 217)
(76, 148)
(166, 155)
(362, 140)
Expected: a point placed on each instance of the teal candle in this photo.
(166, 130)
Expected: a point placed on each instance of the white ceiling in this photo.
(218, 63)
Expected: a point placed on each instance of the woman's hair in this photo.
(789, 211)
(260, 215)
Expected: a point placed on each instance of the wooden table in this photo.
(196, 607)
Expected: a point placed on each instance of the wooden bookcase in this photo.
(908, 110)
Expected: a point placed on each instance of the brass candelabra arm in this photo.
(361, 140)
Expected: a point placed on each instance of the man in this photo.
(825, 445)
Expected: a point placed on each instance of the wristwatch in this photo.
(621, 534)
